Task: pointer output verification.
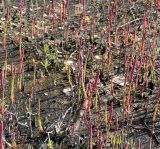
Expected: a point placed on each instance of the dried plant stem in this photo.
(40, 128)
(12, 83)
(13, 142)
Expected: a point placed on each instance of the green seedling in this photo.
(45, 63)
(119, 140)
(50, 143)
(46, 48)
(52, 56)
(132, 143)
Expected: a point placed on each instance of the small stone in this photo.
(98, 57)
(67, 91)
(46, 94)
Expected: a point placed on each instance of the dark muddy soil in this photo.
(62, 116)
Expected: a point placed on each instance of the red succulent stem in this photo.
(123, 5)
(1, 134)
(100, 140)
(53, 15)
(89, 105)
(7, 15)
(125, 67)
(96, 80)
(49, 11)
(116, 8)
(43, 16)
(20, 60)
(139, 65)
(92, 51)
(84, 13)
(66, 7)
(157, 4)
(98, 134)
(110, 115)
(133, 43)
(156, 32)
(9, 118)
(81, 61)
(34, 24)
(109, 26)
(144, 32)
(146, 67)
(44, 5)
(67, 33)
(127, 102)
(109, 39)
(132, 67)
(117, 125)
(159, 93)
(126, 35)
(60, 14)
(91, 134)
(92, 24)
(125, 145)
(110, 15)
(116, 37)
(93, 2)
(83, 4)
(4, 43)
(2, 82)
(99, 105)
(3, 92)
(149, 25)
(76, 37)
(84, 18)
(151, 46)
(139, 144)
